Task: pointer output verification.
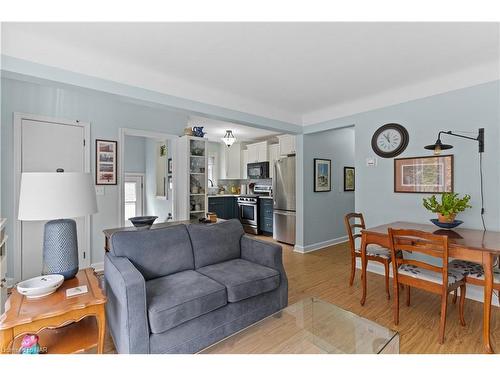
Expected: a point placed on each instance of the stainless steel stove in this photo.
(248, 208)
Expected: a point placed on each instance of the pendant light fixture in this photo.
(229, 138)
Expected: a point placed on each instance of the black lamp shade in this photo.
(438, 146)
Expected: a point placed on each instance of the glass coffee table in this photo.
(310, 326)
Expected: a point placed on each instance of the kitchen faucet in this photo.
(211, 182)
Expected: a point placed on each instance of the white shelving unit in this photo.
(192, 178)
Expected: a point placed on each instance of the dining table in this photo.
(479, 246)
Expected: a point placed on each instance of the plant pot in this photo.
(446, 218)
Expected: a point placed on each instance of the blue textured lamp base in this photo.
(60, 248)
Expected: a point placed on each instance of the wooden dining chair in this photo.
(354, 223)
(423, 275)
(474, 274)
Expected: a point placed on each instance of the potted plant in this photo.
(451, 204)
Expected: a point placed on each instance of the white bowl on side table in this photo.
(40, 286)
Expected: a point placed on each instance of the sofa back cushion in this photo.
(155, 252)
(215, 243)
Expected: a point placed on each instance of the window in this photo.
(211, 170)
(133, 197)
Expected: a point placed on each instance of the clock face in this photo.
(390, 140)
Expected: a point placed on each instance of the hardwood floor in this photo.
(325, 274)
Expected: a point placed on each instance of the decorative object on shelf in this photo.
(163, 151)
(105, 162)
(448, 208)
(322, 175)
(198, 131)
(40, 286)
(229, 138)
(29, 345)
(438, 146)
(196, 151)
(194, 189)
(57, 197)
(349, 178)
(169, 166)
(188, 131)
(143, 221)
(425, 174)
(390, 140)
(212, 216)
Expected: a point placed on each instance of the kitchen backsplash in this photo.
(237, 183)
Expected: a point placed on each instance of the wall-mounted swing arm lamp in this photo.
(438, 146)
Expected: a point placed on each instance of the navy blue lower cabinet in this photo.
(266, 215)
(225, 207)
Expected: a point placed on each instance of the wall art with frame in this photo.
(349, 178)
(105, 162)
(425, 174)
(322, 175)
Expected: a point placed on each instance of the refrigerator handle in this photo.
(274, 183)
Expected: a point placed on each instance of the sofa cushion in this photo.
(155, 252)
(215, 243)
(175, 299)
(242, 279)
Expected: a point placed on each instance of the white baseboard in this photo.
(474, 292)
(319, 245)
(98, 267)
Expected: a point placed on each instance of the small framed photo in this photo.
(105, 162)
(169, 166)
(426, 174)
(349, 179)
(322, 175)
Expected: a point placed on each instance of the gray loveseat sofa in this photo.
(182, 288)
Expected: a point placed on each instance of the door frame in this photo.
(18, 119)
(143, 188)
(122, 132)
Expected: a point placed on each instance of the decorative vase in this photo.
(446, 218)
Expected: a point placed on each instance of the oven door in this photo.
(248, 213)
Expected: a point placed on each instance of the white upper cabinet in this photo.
(286, 144)
(274, 154)
(257, 152)
(244, 162)
(230, 161)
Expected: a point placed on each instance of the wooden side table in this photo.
(64, 324)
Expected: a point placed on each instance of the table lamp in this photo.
(58, 197)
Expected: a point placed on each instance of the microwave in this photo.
(256, 171)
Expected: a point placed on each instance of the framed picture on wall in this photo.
(349, 178)
(105, 162)
(322, 175)
(169, 166)
(426, 174)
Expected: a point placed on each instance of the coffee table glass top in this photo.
(307, 327)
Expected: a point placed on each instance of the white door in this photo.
(45, 147)
(134, 196)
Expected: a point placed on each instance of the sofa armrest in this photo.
(266, 254)
(126, 312)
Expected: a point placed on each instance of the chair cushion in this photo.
(215, 243)
(376, 250)
(473, 270)
(175, 299)
(242, 279)
(428, 275)
(155, 252)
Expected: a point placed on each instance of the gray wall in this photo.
(324, 211)
(106, 113)
(466, 109)
(135, 154)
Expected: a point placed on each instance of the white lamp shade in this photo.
(48, 196)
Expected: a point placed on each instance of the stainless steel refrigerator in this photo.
(284, 200)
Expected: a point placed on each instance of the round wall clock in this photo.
(390, 140)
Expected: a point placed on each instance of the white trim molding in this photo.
(98, 267)
(319, 245)
(474, 292)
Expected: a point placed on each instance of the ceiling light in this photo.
(229, 138)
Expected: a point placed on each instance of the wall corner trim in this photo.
(319, 245)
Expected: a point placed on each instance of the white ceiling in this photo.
(285, 71)
(216, 129)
